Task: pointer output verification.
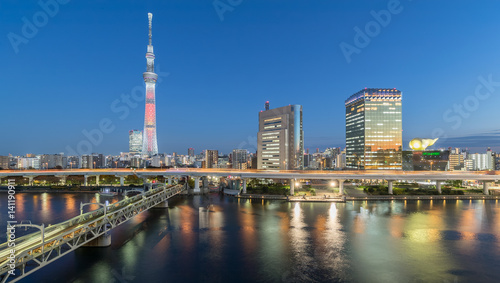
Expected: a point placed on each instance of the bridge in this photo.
(36, 250)
(486, 177)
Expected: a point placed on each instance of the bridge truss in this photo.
(32, 252)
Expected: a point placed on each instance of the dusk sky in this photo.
(217, 69)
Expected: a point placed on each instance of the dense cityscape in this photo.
(279, 155)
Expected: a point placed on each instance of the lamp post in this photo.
(90, 203)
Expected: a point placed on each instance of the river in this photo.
(215, 238)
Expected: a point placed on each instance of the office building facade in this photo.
(280, 140)
(239, 159)
(135, 142)
(4, 162)
(374, 129)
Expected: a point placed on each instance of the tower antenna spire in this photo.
(150, 17)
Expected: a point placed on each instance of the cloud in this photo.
(481, 140)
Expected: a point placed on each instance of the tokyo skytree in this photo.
(149, 143)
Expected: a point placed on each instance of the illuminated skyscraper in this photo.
(280, 139)
(149, 143)
(374, 129)
(135, 141)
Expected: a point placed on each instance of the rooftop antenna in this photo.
(150, 17)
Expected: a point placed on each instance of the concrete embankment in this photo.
(339, 198)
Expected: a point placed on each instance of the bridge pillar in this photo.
(204, 183)
(438, 186)
(101, 241)
(63, 179)
(122, 180)
(292, 187)
(169, 180)
(244, 186)
(85, 179)
(196, 184)
(30, 179)
(189, 190)
(389, 182)
(97, 180)
(341, 186)
(486, 189)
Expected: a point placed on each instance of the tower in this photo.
(149, 143)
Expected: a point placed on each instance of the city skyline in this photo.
(234, 73)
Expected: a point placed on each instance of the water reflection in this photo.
(222, 239)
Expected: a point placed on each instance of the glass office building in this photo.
(374, 129)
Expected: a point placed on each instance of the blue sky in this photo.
(65, 76)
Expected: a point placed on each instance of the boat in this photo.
(106, 192)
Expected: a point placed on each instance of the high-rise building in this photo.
(98, 160)
(456, 161)
(340, 160)
(374, 129)
(4, 162)
(135, 141)
(191, 152)
(87, 162)
(239, 159)
(73, 162)
(211, 158)
(149, 143)
(280, 140)
(483, 161)
(28, 163)
(53, 161)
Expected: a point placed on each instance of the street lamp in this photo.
(90, 203)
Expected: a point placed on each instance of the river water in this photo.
(213, 238)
